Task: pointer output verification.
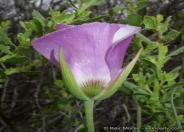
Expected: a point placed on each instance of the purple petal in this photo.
(124, 32)
(116, 53)
(84, 48)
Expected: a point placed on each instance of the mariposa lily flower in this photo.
(91, 56)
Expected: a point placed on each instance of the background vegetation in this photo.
(33, 97)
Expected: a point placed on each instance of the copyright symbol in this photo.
(105, 128)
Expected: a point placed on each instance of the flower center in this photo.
(92, 87)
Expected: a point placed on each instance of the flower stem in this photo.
(89, 115)
(139, 116)
(174, 110)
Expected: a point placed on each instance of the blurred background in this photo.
(33, 96)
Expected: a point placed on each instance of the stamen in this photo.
(92, 87)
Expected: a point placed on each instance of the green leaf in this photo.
(59, 83)
(145, 39)
(159, 18)
(60, 17)
(39, 17)
(177, 52)
(151, 59)
(115, 84)
(24, 39)
(13, 59)
(5, 49)
(117, 9)
(133, 88)
(22, 69)
(162, 55)
(171, 35)
(86, 4)
(4, 38)
(38, 27)
(163, 27)
(87, 20)
(150, 22)
(134, 19)
(14, 70)
(66, 18)
(5, 25)
(142, 4)
(69, 79)
(162, 51)
(171, 76)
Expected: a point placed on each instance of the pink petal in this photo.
(116, 53)
(84, 48)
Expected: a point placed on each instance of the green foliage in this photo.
(177, 51)
(134, 19)
(153, 85)
(150, 22)
(18, 57)
(157, 24)
(134, 6)
(171, 35)
(132, 9)
(59, 17)
(86, 4)
(5, 49)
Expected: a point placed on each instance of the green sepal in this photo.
(69, 80)
(116, 84)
